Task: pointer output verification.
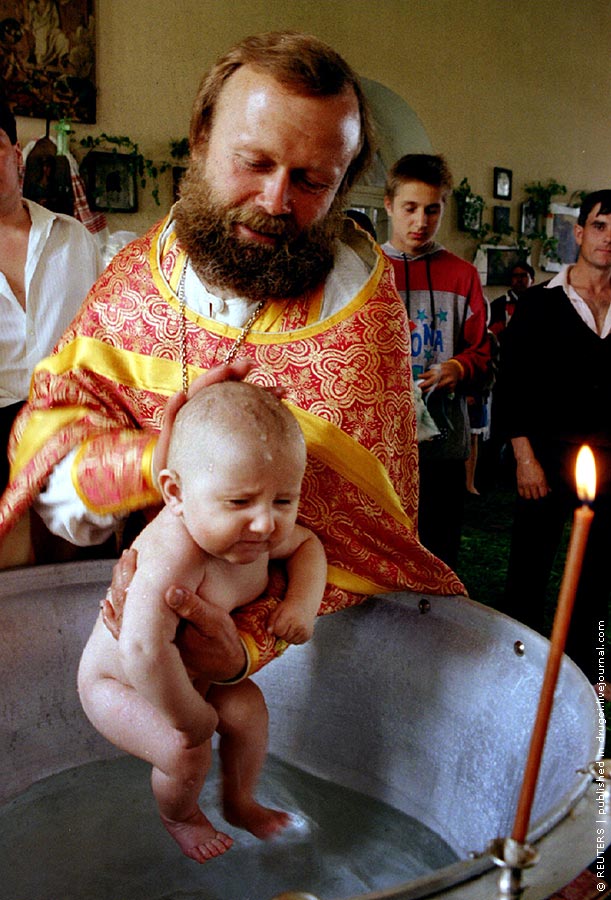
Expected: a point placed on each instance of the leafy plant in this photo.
(470, 211)
(526, 243)
(540, 195)
(540, 198)
(577, 198)
(145, 168)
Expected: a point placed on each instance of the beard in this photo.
(297, 260)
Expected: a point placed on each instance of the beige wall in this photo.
(522, 84)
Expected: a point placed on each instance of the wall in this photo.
(516, 84)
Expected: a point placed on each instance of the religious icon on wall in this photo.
(47, 58)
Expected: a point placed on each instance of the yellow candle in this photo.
(586, 490)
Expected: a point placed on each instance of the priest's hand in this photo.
(235, 371)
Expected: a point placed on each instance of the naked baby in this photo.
(231, 493)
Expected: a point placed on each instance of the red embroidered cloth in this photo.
(348, 380)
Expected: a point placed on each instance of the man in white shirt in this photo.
(48, 262)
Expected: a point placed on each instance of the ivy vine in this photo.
(146, 169)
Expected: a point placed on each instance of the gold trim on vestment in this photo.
(273, 310)
(252, 653)
(324, 440)
(348, 581)
(125, 367)
(41, 426)
(352, 461)
(115, 478)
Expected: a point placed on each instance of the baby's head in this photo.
(234, 418)
(235, 466)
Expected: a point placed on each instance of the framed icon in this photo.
(47, 58)
(502, 184)
(110, 180)
(500, 219)
(494, 263)
(560, 227)
(528, 219)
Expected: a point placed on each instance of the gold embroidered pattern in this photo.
(115, 369)
(112, 473)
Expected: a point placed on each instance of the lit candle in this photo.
(586, 491)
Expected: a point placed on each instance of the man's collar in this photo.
(561, 279)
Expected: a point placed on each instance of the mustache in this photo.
(284, 227)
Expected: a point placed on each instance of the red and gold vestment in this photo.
(348, 382)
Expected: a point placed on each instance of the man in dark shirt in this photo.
(555, 394)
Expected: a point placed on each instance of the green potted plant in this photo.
(540, 195)
(539, 201)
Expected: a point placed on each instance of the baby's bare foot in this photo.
(197, 837)
(261, 821)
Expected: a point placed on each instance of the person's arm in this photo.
(306, 563)
(208, 639)
(470, 364)
(149, 655)
(65, 514)
(530, 477)
(473, 356)
(519, 395)
(114, 472)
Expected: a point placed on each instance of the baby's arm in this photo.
(149, 656)
(306, 563)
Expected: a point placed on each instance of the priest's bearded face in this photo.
(260, 203)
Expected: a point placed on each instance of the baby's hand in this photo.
(290, 624)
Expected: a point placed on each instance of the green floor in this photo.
(484, 549)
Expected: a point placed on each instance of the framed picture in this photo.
(469, 214)
(47, 58)
(528, 219)
(560, 226)
(494, 263)
(500, 219)
(502, 184)
(110, 181)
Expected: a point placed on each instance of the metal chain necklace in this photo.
(231, 353)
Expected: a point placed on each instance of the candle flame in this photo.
(585, 475)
